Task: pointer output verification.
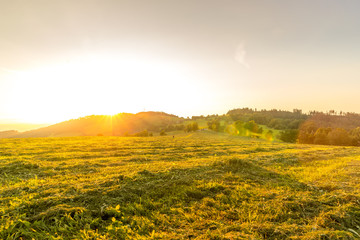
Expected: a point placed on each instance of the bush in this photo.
(289, 135)
(214, 125)
(269, 135)
(191, 127)
(251, 126)
(144, 133)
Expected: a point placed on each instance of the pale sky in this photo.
(67, 59)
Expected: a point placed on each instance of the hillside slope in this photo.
(94, 125)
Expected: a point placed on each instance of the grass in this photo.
(276, 132)
(202, 185)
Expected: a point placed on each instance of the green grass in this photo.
(200, 185)
(276, 133)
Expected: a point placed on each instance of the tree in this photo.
(163, 133)
(339, 136)
(321, 136)
(191, 127)
(294, 124)
(307, 132)
(251, 126)
(238, 125)
(195, 126)
(214, 125)
(289, 135)
(274, 123)
(355, 136)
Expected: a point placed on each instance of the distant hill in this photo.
(274, 118)
(7, 134)
(313, 127)
(346, 121)
(117, 125)
(21, 127)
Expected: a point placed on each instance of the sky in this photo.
(66, 59)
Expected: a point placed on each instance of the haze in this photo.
(66, 59)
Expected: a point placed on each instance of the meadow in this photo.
(203, 185)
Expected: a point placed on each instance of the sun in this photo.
(99, 85)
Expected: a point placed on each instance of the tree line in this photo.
(328, 128)
(311, 133)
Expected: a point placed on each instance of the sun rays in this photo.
(98, 85)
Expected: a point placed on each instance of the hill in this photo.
(330, 128)
(274, 118)
(296, 126)
(9, 133)
(117, 125)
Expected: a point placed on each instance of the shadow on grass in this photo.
(177, 186)
(19, 170)
(147, 193)
(180, 186)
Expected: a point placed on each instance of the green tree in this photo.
(289, 135)
(239, 127)
(251, 126)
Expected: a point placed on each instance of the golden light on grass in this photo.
(275, 190)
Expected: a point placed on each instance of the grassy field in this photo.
(193, 186)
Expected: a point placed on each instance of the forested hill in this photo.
(95, 125)
(281, 120)
(274, 118)
(346, 121)
(330, 128)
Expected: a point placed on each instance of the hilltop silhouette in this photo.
(102, 125)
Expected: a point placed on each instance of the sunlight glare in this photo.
(99, 85)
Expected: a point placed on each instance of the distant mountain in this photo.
(9, 133)
(117, 125)
(21, 127)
